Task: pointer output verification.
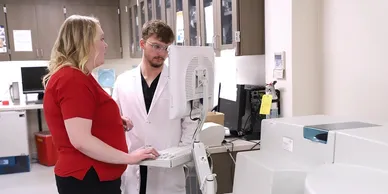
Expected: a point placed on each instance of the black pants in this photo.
(143, 179)
(91, 184)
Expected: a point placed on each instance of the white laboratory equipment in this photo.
(14, 149)
(191, 86)
(360, 164)
(290, 148)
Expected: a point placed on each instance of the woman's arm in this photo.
(79, 132)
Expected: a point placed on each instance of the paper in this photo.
(3, 39)
(266, 103)
(288, 144)
(278, 73)
(209, 24)
(180, 33)
(22, 40)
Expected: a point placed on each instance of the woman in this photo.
(83, 119)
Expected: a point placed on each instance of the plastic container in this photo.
(47, 153)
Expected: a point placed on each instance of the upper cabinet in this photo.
(109, 17)
(31, 34)
(4, 38)
(28, 29)
(222, 24)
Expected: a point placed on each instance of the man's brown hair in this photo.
(162, 31)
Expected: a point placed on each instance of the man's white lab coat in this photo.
(154, 129)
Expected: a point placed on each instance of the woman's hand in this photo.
(142, 154)
(127, 123)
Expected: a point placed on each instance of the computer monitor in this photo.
(191, 86)
(190, 68)
(32, 80)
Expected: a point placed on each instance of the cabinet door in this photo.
(169, 14)
(252, 36)
(149, 10)
(226, 24)
(180, 37)
(193, 22)
(4, 45)
(24, 46)
(208, 21)
(48, 28)
(158, 7)
(110, 22)
(14, 133)
(135, 31)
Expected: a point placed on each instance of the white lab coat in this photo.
(154, 129)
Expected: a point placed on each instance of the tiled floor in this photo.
(40, 180)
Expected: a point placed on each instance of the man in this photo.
(143, 97)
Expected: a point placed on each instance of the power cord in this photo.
(228, 150)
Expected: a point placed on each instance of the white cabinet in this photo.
(13, 134)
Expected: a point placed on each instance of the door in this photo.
(110, 22)
(23, 34)
(4, 45)
(48, 29)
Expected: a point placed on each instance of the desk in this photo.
(223, 164)
(235, 145)
(24, 106)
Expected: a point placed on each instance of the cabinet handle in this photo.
(199, 41)
(214, 42)
(41, 53)
(37, 53)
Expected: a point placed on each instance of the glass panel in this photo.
(226, 22)
(131, 42)
(169, 13)
(158, 4)
(209, 23)
(137, 37)
(142, 9)
(179, 32)
(149, 5)
(193, 23)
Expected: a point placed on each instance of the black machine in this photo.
(242, 116)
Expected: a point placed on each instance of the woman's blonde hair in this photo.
(72, 47)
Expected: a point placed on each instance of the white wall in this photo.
(293, 27)
(355, 42)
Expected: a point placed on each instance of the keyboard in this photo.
(171, 157)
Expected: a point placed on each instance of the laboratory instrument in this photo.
(290, 149)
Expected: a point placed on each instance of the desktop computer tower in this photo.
(242, 116)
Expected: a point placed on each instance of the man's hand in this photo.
(127, 124)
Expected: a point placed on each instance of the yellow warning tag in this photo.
(266, 102)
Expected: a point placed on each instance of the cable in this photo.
(191, 111)
(230, 151)
(258, 143)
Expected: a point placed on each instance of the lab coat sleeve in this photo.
(115, 95)
(188, 129)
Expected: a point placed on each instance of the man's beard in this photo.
(156, 65)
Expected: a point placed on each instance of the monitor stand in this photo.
(38, 101)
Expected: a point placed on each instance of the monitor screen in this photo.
(32, 79)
